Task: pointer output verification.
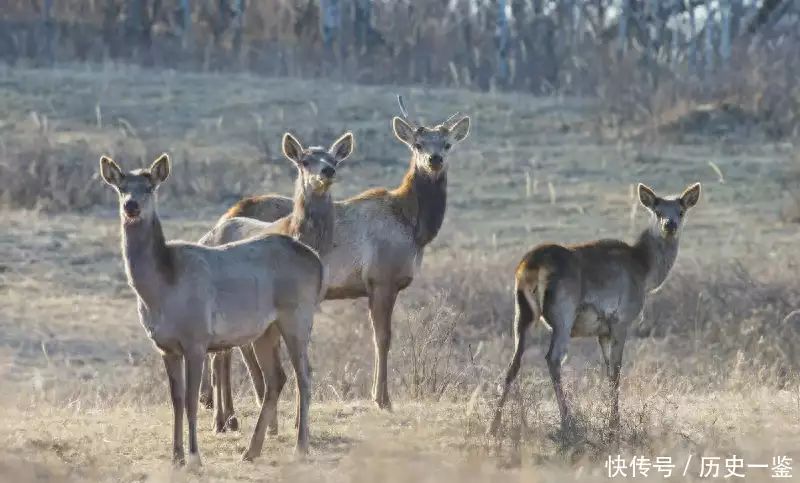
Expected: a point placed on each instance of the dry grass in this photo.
(710, 370)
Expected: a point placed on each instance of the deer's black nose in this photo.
(437, 160)
(131, 208)
(328, 171)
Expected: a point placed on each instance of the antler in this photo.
(404, 111)
(402, 104)
(449, 121)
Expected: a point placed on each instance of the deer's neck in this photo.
(312, 220)
(658, 254)
(424, 201)
(149, 263)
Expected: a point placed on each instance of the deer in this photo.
(381, 234)
(595, 289)
(311, 222)
(195, 299)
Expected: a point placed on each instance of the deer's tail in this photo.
(526, 287)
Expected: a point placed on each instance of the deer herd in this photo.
(258, 276)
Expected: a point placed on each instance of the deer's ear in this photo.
(690, 196)
(159, 170)
(110, 171)
(403, 131)
(292, 148)
(343, 147)
(647, 196)
(460, 130)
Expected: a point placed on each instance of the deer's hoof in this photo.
(194, 463)
(249, 455)
(232, 424)
(178, 460)
(301, 451)
(492, 431)
(383, 403)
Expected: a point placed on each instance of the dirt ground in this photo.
(712, 370)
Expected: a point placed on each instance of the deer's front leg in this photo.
(173, 363)
(614, 371)
(381, 304)
(194, 373)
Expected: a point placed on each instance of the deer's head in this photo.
(137, 188)
(316, 166)
(669, 213)
(430, 145)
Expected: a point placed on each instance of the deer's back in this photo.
(372, 239)
(240, 228)
(604, 280)
(265, 208)
(236, 290)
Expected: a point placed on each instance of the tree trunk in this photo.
(623, 26)
(238, 26)
(708, 47)
(49, 32)
(725, 32)
(186, 24)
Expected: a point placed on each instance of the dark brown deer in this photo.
(594, 290)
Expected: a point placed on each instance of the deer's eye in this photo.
(447, 146)
(417, 146)
(304, 163)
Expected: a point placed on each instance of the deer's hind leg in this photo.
(559, 310)
(231, 422)
(206, 388)
(254, 369)
(524, 316)
(218, 386)
(297, 334)
(265, 350)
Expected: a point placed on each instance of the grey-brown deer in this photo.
(595, 289)
(311, 222)
(381, 234)
(194, 299)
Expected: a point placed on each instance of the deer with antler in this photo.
(380, 235)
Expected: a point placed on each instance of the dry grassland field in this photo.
(710, 370)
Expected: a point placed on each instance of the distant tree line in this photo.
(539, 46)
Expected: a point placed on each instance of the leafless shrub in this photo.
(432, 360)
(51, 179)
